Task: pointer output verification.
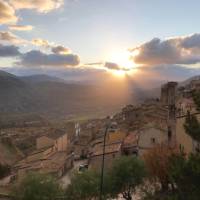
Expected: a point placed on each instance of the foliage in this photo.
(186, 175)
(84, 186)
(125, 175)
(192, 126)
(157, 161)
(37, 187)
(184, 178)
(4, 170)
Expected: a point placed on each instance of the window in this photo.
(153, 140)
(169, 134)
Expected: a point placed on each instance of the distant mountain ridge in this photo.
(186, 82)
(53, 97)
(41, 78)
(56, 98)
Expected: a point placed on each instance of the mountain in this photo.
(186, 82)
(54, 98)
(15, 94)
(8, 80)
(41, 78)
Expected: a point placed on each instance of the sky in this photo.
(89, 39)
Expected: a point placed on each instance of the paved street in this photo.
(65, 180)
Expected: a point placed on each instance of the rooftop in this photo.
(131, 139)
(111, 148)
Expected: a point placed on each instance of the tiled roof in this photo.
(132, 138)
(111, 148)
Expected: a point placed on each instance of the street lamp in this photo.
(103, 159)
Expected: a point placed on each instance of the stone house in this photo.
(194, 85)
(58, 140)
(51, 156)
(149, 137)
(183, 105)
(56, 164)
(112, 151)
(115, 136)
(183, 139)
(130, 144)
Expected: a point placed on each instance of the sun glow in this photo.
(119, 73)
(123, 59)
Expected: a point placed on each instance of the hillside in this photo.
(49, 96)
(186, 82)
(41, 78)
(52, 97)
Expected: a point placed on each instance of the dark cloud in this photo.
(177, 50)
(192, 41)
(56, 49)
(37, 58)
(9, 51)
(60, 50)
(112, 66)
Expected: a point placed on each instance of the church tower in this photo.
(168, 99)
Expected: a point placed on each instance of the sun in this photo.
(122, 58)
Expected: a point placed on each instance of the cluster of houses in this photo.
(184, 104)
(133, 131)
(52, 155)
(136, 129)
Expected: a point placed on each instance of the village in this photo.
(79, 145)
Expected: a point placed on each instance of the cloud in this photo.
(7, 36)
(56, 49)
(38, 58)
(177, 50)
(41, 42)
(113, 66)
(7, 13)
(20, 27)
(192, 41)
(60, 50)
(42, 6)
(8, 9)
(9, 51)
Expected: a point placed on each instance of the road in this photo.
(65, 180)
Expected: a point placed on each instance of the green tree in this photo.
(192, 126)
(83, 186)
(126, 174)
(37, 187)
(185, 173)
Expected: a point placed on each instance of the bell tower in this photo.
(168, 99)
